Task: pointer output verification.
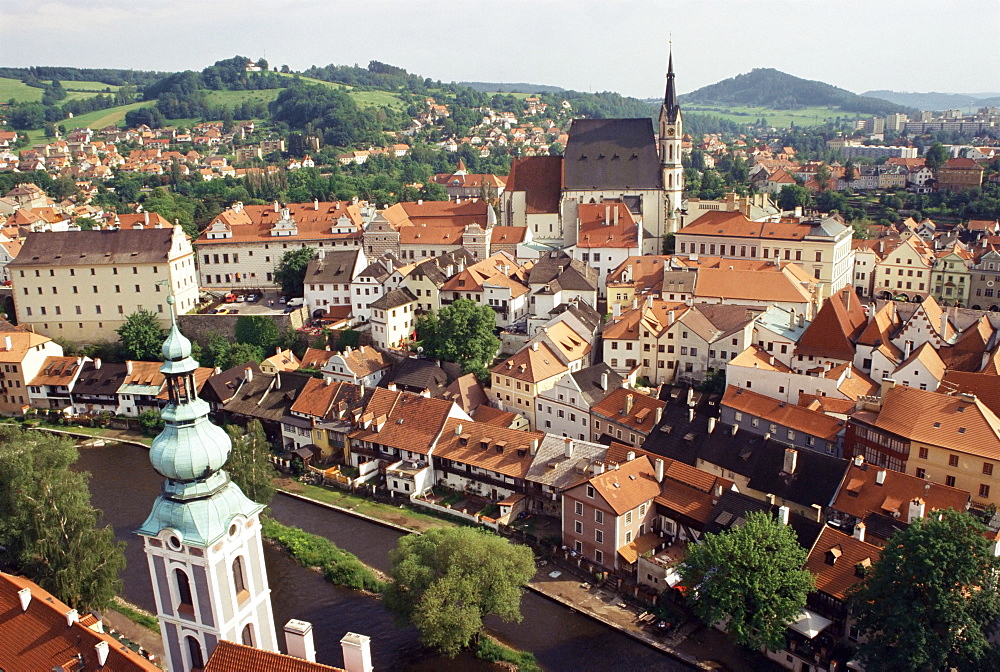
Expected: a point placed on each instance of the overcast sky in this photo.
(589, 45)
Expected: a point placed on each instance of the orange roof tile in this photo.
(835, 572)
(40, 639)
(487, 446)
(232, 657)
(861, 493)
(784, 414)
(628, 486)
(953, 422)
(534, 363)
(835, 328)
(642, 415)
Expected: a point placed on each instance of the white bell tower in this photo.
(671, 132)
(202, 538)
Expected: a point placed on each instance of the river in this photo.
(123, 485)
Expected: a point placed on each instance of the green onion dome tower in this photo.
(202, 538)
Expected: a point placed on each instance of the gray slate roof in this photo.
(611, 154)
(394, 299)
(335, 267)
(100, 247)
(562, 272)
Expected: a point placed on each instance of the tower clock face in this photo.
(670, 131)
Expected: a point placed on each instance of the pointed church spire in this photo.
(670, 104)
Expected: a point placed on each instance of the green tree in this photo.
(823, 176)
(936, 155)
(931, 600)
(48, 529)
(793, 196)
(462, 332)
(257, 330)
(446, 580)
(142, 336)
(151, 422)
(248, 465)
(751, 576)
(291, 270)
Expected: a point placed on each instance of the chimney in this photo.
(690, 395)
(25, 596)
(97, 362)
(604, 380)
(859, 460)
(887, 384)
(128, 367)
(568, 447)
(629, 399)
(916, 510)
(659, 415)
(944, 324)
(616, 310)
(8, 344)
(72, 616)
(145, 217)
(458, 429)
(791, 319)
(299, 640)
(277, 208)
(670, 318)
(859, 531)
(907, 350)
(880, 477)
(102, 652)
(783, 514)
(534, 346)
(607, 215)
(659, 469)
(790, 461)
(690, 415)
(711, 425)
(357, 652)
(248, 374)
(635, 303)
(736, 428)
(629, 456)
(315, 204)
(534, 446)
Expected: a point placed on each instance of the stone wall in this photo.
(199, 327)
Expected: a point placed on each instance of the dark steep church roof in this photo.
(611, 154)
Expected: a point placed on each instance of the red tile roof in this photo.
(836, 328)
(834, 560)
(628, 486)
(773, 410)
(861, 494)
(232, 657)
(38, 640)
(541, 177)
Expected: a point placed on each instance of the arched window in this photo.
(186, 602)
(247, 635)
(240, 579)
(194, 650)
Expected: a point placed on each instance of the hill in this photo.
(767, 87)
(935, 101)
(511, 87)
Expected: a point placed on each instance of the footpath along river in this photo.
(123, 485)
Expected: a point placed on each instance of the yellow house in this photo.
(518, 381)
(327, 405)
(22, 354)
(949, 439)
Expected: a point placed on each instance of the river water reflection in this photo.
(123, 485)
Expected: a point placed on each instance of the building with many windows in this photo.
(83, 285)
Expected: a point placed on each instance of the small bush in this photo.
(310, 550)
(492, 651)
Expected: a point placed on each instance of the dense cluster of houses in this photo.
(859, 376)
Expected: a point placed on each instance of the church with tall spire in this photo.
(202, 538)
(671, 132)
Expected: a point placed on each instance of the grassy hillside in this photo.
(12, 89)
(231, 98)
(746, 114)
(97, 87)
